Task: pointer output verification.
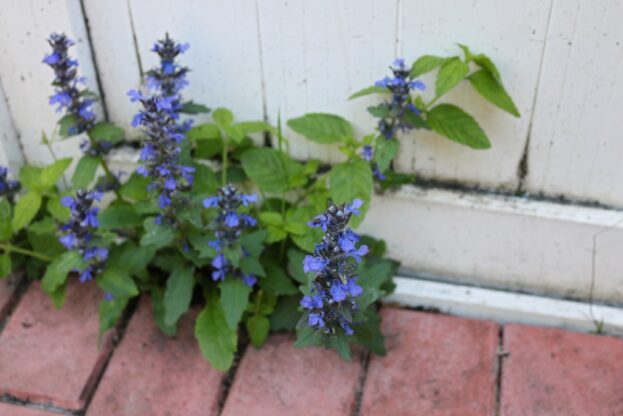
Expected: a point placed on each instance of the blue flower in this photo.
(315, 320)
(314, 264)
(367, 153)
(169, 78)
(68, 95)
(8, 188)
(331, 304)
(79, 232)
(229, 226)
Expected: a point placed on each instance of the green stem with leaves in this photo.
(107, 170)
(224, 160)
(10, 248)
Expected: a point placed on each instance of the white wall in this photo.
(560, 60)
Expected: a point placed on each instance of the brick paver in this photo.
(436, 366)
(49, 355)
(559, 373)
(152, 374)
(7, 409)
(7, 292)
(280, 380)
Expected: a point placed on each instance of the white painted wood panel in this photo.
(224, 49)
(24, 28)
(513, 35)
(111, 32)
(316, 53)
(513, 243)
(576, 146)
(10, 152)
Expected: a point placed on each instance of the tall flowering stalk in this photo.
(160, 154)
(8, 187)
(69, 96)
(331, 305)
(79, 232)
(230, 224)
(169, 78)
(399, 107)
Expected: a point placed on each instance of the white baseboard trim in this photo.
(505, 307)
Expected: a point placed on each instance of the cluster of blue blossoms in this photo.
(169, 78)
(8, 187)
(79, 232)
(334, 288)
(160, 153)
(230, 224)
(69, 96)
(399, 106)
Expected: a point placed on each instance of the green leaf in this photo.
(277, 281)
(234, 300)
(85, 171)
(351, 180)
(321, 127)
(486, 63)
(105, 130)
(179, 293)
(340, 344)
(248, 127)
(52, 173)
(223, 117)
(119, 216)
(109, 313)
(5, 265)
(425, 64)
(156, 235)
(258, 327)
(217, 340)
(369, 334)
(29, 177)
(135, 188)
(190, 107)
(117, 282)
(58, 295)
(25, 210)
(493, 91)
(380, 110)
(286, 313)
(271, 218)
(65, 124)
(466, 52)
(414, 119)
(57, 210)
(295, 265)
(452, 71)
(267, 168)
(251, 265)
(233, 254)
(131, 258)
(205, 131)
(369, 90)
(5, 220)
(43, 238)
(252, 242)
(205, 181)
(157, 307)
(307, 337)
(385, 151)
(56, 273)
(452, 122)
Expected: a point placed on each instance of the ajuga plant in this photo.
(404, 108)
(213, 221)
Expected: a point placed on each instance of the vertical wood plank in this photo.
(10, 152)
(224, 49)
(575, 146)
(317, 53)
(513, 35)
(24, 27)
(117, 61)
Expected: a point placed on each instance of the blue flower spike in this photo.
(331, 304)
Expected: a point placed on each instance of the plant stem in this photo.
(224, 161)
(10, 248)
(107, 170)
(258, 301)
